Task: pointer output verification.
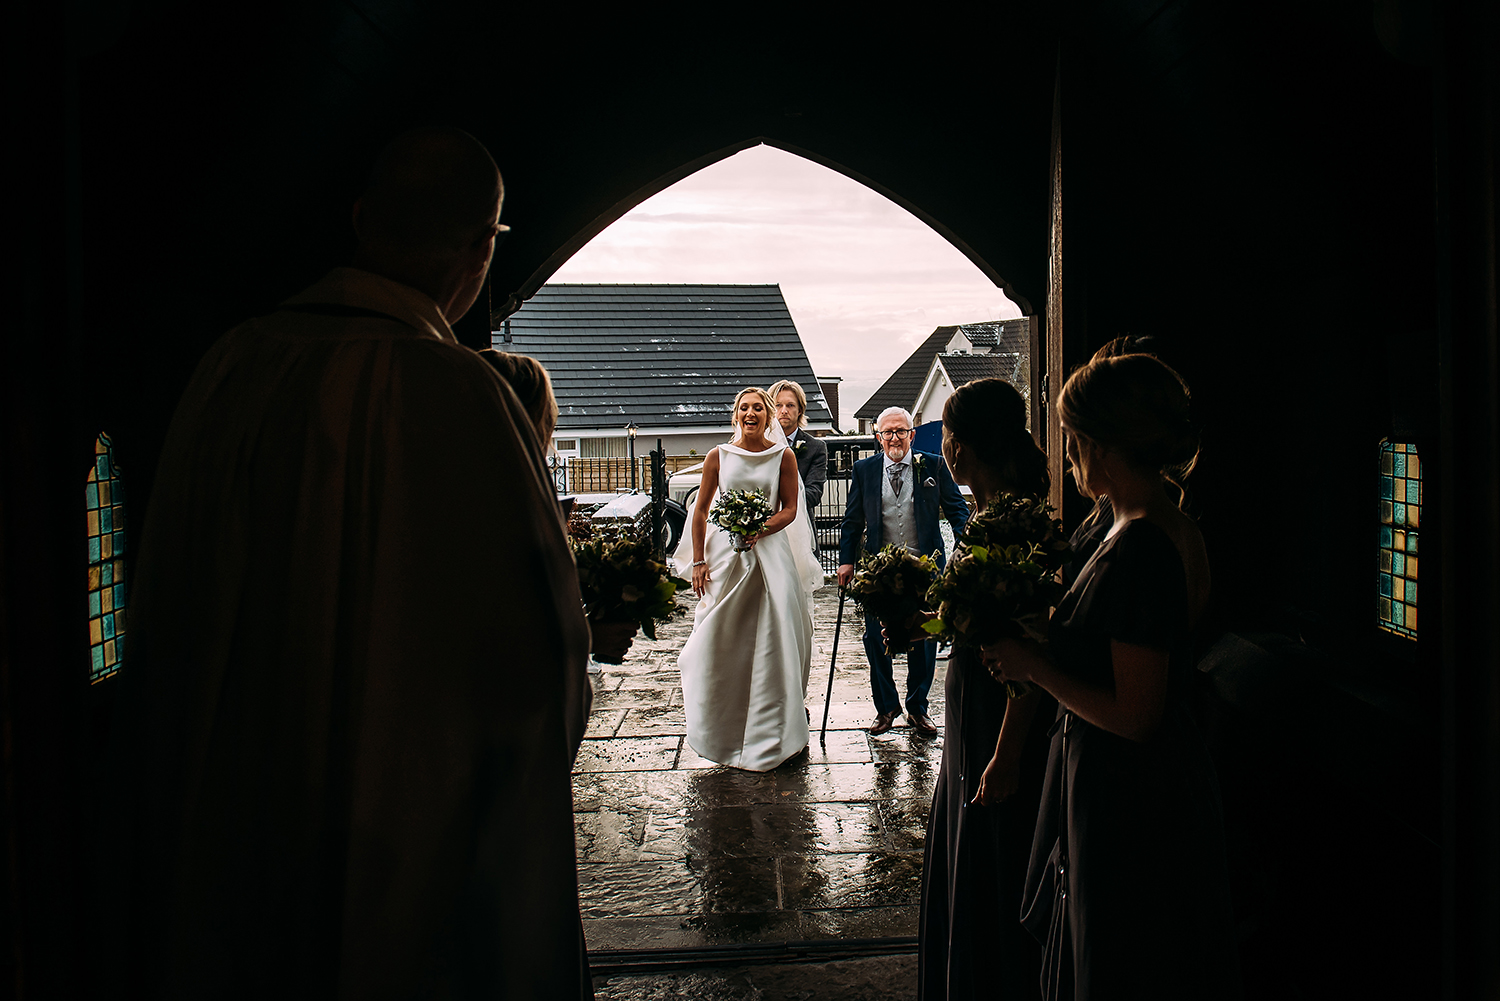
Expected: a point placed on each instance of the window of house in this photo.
(1400, 522)
(105, 502)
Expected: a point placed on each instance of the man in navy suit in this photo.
(895, 498)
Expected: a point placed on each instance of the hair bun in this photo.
(1136, 404)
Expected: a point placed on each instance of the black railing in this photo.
(828, 516)
(603, 475)
(557, 467)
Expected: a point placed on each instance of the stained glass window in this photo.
(1400, 522)
(105, 500)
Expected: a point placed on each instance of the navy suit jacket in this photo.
(862, 513)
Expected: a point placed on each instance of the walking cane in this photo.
(837, 625)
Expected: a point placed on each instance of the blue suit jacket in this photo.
(862, 513)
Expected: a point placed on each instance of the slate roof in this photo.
(660, 355)
(1000, 335)
(962, 368)
(901, 389)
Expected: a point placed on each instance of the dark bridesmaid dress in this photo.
(972, 946)
(1147, 914)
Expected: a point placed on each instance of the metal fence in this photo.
(828, 516)
(606, 475)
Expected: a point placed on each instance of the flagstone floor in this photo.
(675, 851)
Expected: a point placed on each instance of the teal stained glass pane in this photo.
(1399, 464)
(1411, 591)
(1387, 488)
(119, 595)
(109, 626)
(1398, 613)
(119, 542)
(117, 492)
(93, 603)
(1413, 491)
(101, 467)
(98, 656)
(1411, 542)
(1385, 585)
(106, 520)
(107, 574)
(1398, 563)
(1399, 513)
(92, 493)
(94, 556)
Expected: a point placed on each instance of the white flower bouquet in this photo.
(741, 513)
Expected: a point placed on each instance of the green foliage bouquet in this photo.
(892, 586)
(741, 513)
(1002, 580)
(622, 581)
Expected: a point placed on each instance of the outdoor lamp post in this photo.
(630, 432)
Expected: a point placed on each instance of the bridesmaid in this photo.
(1097, 523)
(984, 807)
(1128, 884)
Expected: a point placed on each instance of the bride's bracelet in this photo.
(700, 563)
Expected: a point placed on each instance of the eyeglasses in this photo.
(897, 433)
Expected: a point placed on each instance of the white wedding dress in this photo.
(745, 666)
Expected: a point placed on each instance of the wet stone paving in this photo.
(675, 851)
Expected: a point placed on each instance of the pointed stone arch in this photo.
(599, 223)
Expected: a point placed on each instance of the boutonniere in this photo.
(799, 445)
(918, 460)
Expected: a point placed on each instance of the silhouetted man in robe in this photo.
(357, 664)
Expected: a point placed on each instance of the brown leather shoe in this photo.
(922, 724)
(881, 725)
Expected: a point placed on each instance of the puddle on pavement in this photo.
(675, 851)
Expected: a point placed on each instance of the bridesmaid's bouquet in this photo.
(741, 513)
(892, 586)
(622, 581)
(1002, 580)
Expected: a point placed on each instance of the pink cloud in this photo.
(866, 281)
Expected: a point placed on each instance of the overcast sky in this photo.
(866, 281)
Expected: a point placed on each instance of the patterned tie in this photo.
(896, 472)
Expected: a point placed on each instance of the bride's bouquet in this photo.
(892, 586)
(741, 513)
(622, 581)
(1002, 580)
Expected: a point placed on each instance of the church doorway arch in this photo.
(501, 308)
(826, 848)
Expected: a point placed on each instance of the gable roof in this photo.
(901, 389)
(905, 384)
(660, 355)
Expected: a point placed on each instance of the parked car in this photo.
(682, 486)
(624, 506)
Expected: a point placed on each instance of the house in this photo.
(666, 358)
(947, 359)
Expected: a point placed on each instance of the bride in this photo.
(745, 667)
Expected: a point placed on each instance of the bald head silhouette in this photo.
(429, 215)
